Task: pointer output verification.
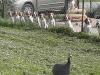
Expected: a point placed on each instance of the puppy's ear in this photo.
(18, 12)
(21, 13)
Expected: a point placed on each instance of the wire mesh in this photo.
(60, 8)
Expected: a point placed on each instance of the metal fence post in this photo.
(37, 6)
(78, 4)
(82, 15)
(90, 5)
(3, 7)
(66, 6)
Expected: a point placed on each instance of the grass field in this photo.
(91, 0)
(35, 52)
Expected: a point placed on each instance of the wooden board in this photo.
(77, 17)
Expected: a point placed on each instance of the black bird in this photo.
(62, 69)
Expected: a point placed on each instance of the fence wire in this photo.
(68, 15)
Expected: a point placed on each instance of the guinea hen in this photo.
(62, 69)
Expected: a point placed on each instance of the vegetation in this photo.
(25, 52)
(5, 5)
(91, 0)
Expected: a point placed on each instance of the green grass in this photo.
(35, 52)
(91, 0)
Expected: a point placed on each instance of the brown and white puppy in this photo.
(16, 16)
(68, 22)
(30, 16)
(88, 26)
(11, 14)
(52, 20)
(22, 19)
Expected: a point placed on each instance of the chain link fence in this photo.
(5, 5)
(82, 10)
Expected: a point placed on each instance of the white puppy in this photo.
(52, 20)
(69, 23)
(31, 17)
(11, 16)
(43, 21)
(98, 26)
(88, 26)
